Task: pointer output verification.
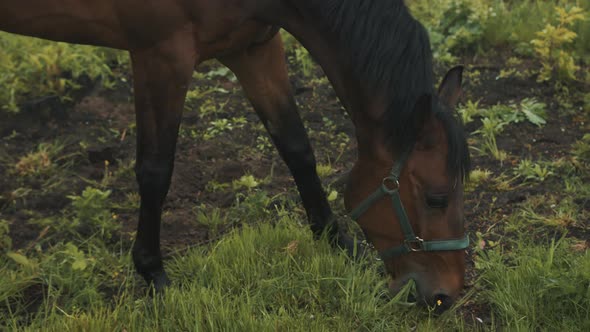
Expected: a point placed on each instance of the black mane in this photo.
(390, 50)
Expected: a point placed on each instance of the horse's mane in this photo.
(390, 50)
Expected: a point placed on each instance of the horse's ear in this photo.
(450, 88)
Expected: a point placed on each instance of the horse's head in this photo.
(410, 203)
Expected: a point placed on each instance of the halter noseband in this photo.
(390, 187)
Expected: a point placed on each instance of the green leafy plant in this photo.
(497, 117)
(581, 149)
(213, 218)
(469, 111)
(196, 94)
(490, 128)
(216, 127)
(534, 111)
(215, 186)
(462, 23)
(332, 196)
(324, 170)
(188, 132)
(92, 211)
(477, 177)
(263, 143)
(529, 109)
(304, 60)
(33, 67)
(5, 240)
(222, 71)
(209, 107)
(533, 171)
(513, 69)
(454, 25)
(247, 181)
(551, 45)
(329, 124)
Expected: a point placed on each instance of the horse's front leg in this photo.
(262, 71)
(161, 75)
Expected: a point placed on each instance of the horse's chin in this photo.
(396, 284)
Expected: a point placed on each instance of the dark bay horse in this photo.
(405, 189)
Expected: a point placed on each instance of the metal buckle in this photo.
(416, 244)
(395, 183)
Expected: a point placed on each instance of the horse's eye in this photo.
(437, 201)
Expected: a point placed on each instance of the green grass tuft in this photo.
(536, 287)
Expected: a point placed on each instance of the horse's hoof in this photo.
(353, 248)
(157, 280)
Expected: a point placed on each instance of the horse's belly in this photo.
(243, 36)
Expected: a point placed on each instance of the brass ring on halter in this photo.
(390, 185)
(416, 244)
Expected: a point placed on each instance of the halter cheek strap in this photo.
(390, 187)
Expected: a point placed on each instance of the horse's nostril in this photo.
(442, 303)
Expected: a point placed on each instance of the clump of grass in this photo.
(267, 277)
(536, 286)
(271, 276)
(544, 213)
(70, 277)
(477, 177)
(38, 162)
(324, 170)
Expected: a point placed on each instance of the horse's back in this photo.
(218, 27)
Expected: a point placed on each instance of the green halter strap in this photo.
(390, 187)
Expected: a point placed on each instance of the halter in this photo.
(412, 243)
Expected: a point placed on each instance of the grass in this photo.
(535, 287)
(38, 162)
(268, 277)
(274, 276)
(532, 263)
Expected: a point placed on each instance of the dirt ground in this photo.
(103, 119)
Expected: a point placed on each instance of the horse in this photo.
(406, 187)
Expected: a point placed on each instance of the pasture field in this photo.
(234, 233)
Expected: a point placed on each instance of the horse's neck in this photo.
(327, 50)
(332, 54)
